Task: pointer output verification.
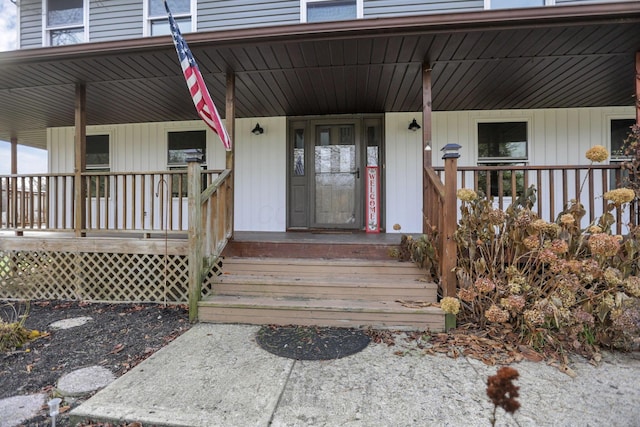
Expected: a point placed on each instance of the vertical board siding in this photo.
(261, 175)
(225, 14)
(557, 137)
(403, 172)
(385, 8)
(115, 20)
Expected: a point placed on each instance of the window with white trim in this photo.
(503, 144)
(330, 10)
(157, 23)
(619, 129)
(64, 22)
(97, 160)
(515, 4)
(181, 145)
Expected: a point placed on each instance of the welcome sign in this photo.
(373, 200)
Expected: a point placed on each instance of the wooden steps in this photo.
(324, 292)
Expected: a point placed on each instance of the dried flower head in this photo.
(524, 219)
(539, 225)
(583, 317)
(594, 229)
(567, 219)
(467, 294)
(604, 244)
(547, 256)
(531, 242)
(466, 195)
(484, 285)
(496, 314)
(613, 276)
(619, 196)
(559, 247)
(450, 305)
(534, 317)
(632, 285)
(514, 303)
(502, 391)
(396, 227)
(597, 154)
(497, 217)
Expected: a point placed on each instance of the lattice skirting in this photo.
(89, 276)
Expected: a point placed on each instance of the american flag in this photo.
(202, 100)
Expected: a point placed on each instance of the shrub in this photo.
(549, 281)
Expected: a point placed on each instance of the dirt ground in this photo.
(118, 338)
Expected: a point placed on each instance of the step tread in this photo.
(287, 303)
(374, 281)
(315, 261)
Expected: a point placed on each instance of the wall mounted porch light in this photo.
(258, 130)
(414, 126)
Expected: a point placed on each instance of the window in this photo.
(64, 22)
(181, 146)
(157, 21)
(619, 131)
(97, 160)
(330, 10)
(513, 4)
(502, 144)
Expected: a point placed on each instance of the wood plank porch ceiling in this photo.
(563, 56)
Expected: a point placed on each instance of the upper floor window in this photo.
(330, 10)
(65, 22)
(513, 4)
(157, 22)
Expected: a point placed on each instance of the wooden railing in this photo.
(440, 211)
(210, 227)
(115, 201)
(555, 187)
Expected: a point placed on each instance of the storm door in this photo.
(326, 171)
(336, 183)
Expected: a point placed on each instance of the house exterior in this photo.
(316, 94)
(559, 75)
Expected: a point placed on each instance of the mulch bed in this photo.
(311, 342)
(119, 337)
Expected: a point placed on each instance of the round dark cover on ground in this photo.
(311, 342)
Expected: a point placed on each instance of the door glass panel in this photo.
(335, 176)
(298, 152)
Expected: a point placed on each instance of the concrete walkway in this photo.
(216, 375)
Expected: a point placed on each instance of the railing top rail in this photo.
(36, 175)
(213, 187)
(438, 186)
(162, 172)
(533, 168)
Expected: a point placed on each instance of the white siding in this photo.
(557, 137)
(261, 180)
(403, 171)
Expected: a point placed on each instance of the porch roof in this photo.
(551, 57)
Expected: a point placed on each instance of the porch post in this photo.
(638, 88)
(13, 209)
(426, 140)
(80, 149)
(450, 220)
(195, 237)
(14, 155)
(230, 121)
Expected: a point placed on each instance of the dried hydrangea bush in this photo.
(552, 283)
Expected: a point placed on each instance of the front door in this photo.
(327, 162)
(336, 177)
